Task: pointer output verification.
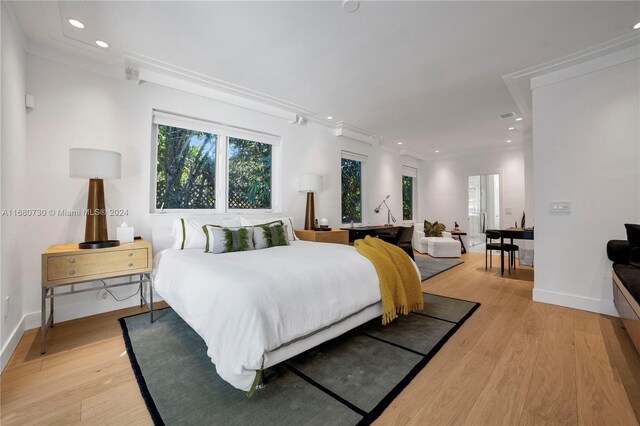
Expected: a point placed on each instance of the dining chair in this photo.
(510, 248)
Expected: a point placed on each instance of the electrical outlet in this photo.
(5, 306)
(507, 211)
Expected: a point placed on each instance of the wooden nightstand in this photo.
(336, 236)
(67, 265)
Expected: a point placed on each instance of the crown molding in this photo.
(593, 65)
(352, 132)
(413, 154)
(519, 83)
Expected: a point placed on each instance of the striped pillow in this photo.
(270, 235)
(226, 240)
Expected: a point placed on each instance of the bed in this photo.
(258, 308)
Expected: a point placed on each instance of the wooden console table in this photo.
(67, 265)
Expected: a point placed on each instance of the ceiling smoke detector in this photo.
(350, 6)
(507, 115)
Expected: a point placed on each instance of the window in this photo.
(409, 175)
(352, 195)
(201, 165)
(186, 169)
(249, 174)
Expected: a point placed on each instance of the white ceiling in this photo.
(428, 74)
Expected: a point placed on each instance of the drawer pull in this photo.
(71, 272)
(72, 260)
(130, 254)
(131, 264)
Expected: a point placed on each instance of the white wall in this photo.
(78, 108)
(586, 140)
(13, 161)
(444, 186)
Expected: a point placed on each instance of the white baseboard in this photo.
(11, 344)
(599, 306)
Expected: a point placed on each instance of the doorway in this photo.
(484, 208)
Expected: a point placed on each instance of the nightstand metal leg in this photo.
(43, 325)
(141, 288)
(151, 296)
(52, 288)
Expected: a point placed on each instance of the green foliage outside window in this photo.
(249, 174)
(351, 190)
(407, 198)
(186, 169)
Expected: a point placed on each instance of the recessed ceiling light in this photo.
(329, 117)
(437, 151)
(508, 140)
(399, 143)
(637, 26)
(76, 23)
(519, 119)
(102, 44)
(512, 128)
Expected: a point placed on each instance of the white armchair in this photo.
(444, 246)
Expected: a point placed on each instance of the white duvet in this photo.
(247, 304)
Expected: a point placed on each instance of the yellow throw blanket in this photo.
(399, 282)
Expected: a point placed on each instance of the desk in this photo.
(359, 232)
(512, 233)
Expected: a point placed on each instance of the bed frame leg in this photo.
(261, 383)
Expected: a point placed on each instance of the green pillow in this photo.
(225, 240)
(432, 229)
(270, 235)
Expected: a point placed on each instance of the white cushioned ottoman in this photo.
(443, 247)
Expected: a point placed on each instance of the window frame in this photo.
(412, 173)
(363, 181)
(223, 132)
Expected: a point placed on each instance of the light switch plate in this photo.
(560, 207)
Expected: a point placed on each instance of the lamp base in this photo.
(310, 214)
(98, 244)
(96, 227)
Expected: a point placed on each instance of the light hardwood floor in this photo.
(513, 362)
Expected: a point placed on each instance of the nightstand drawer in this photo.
(335, 236)
(328, 237)
(82, 265)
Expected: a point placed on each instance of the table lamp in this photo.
(95, 165)
(310, 183)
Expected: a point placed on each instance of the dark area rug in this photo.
(432, 266)
(348, 380)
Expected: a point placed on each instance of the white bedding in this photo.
(247, 304)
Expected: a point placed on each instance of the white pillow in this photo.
(192, 235)
(234, 222)
(187, 234)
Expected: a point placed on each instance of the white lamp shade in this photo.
(310, 183)
(94, 163)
